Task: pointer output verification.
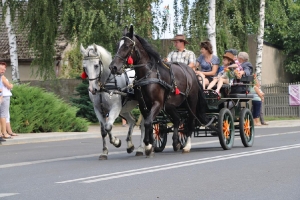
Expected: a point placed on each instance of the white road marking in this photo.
(176, 165)
(52, 160)
(7, 194)
(111, 153)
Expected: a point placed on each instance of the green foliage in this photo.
(283, 30)
(33, 110)
(102, 22)
(83, 103)
(41, 22)
(136, 112)
(74, 67)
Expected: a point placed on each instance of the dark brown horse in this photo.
(160, 86)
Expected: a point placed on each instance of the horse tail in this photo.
(201, 105)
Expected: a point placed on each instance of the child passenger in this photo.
(222, 77)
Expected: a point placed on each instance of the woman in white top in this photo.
(7, 86)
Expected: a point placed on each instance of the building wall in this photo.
(272, 63)
(25, 72)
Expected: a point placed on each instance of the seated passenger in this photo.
(181, 54)
(222, 77)
(243, 58)
(207, 62)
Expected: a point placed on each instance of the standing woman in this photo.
(207, 62)
(7, 86)
(258, 98)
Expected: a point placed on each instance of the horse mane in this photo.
(149, 49)
(105, 55)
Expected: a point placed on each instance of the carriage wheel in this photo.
(160, 137)
(226, 129)
(246, 127)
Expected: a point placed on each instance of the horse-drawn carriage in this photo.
(172, 93)
(228, 115)
(165, 93)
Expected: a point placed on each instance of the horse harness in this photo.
(110, 85)
(146, 80)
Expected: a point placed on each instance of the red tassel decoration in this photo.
(177, 91)
(129, 60)
(84, 75)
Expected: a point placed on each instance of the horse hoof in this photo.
(148, 152)
(176, 147)
(118, 145)
(185, 151)
(130, 150)
(138, 153)
(151, 155)
(103, 157)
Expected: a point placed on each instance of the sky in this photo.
(168, 35)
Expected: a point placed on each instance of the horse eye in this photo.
(96, 65)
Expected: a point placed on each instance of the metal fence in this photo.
(277, 100)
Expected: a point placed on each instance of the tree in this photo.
(84, 22)
(282, 29)
(211, 25)
(12, 40)
(260, 40)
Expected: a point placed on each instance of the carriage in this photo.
(228, 115)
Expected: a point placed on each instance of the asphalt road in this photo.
(71, 170)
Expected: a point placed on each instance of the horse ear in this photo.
(95, 47)
(131, 31)
(82, 50)
(125, 30)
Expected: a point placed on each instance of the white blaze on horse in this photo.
(108, 99)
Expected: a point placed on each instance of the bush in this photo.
(34, 110)
(83, 103)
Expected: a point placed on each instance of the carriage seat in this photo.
(241, 86)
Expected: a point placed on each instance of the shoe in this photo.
(124, 125)
(264, 123)
(2, 140)
(12, 134)
(6, 137)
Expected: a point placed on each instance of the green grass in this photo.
(275, 118)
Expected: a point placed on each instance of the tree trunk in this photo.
(260, 40)
(211, 25)
(12, 46)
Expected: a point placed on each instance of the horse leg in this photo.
(131, 121)
(113, 114)
(140, 150)
(148, 139)
(104, 154)
(171, 110)
(192, 105)
(188, 144)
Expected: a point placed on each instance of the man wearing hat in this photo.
(181, 54)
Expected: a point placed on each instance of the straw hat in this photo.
(180, 37)
(229, 55)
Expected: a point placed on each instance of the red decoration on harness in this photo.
(84, 75)
(177, 91)
(129, 60)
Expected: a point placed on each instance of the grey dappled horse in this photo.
(104, 92)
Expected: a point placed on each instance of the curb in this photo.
(59, 136)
